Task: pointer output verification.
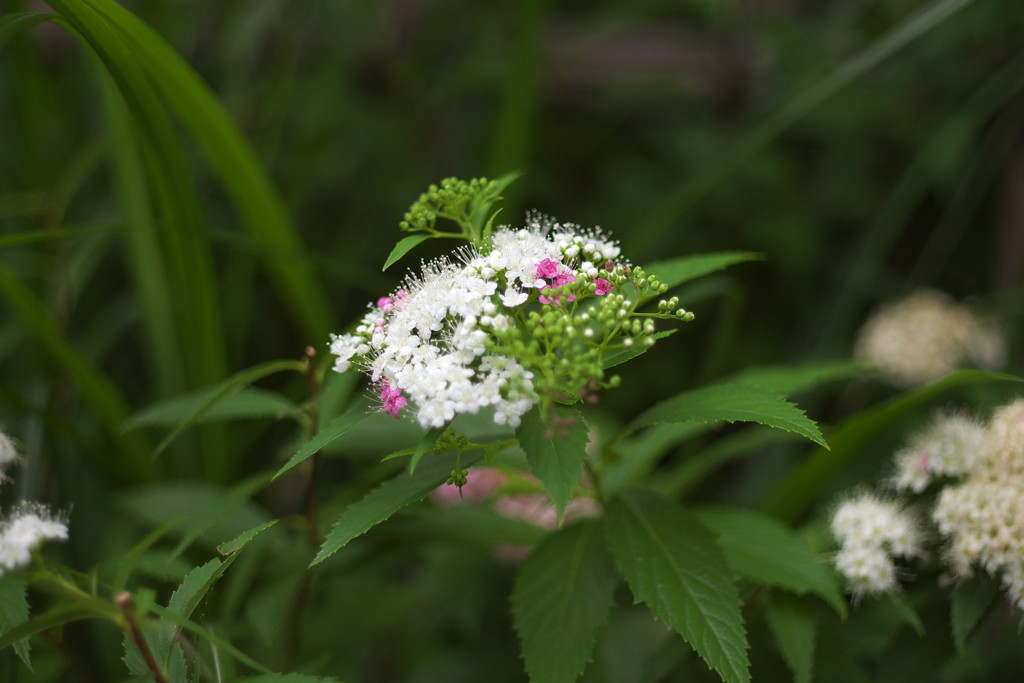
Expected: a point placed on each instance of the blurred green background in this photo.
(865, 148)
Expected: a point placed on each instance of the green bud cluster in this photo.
(458, 477)
(565, 344)
(454, 199)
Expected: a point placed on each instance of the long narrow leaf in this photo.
(231, 156)
(226, 388)
(95, 387)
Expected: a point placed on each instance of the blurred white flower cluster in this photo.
(978, 511)
(983, 517)
(927, 336)
(872, 533)
(490, 327)
(29, 525)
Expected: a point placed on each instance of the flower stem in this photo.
(124, 601)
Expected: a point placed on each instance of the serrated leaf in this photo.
(794, 379)
(619, 356)
(244, 538)
(763, 550)
(333, 431)
(562, 595)
(795, 631)
(14, 612)
(387, 499)
(555, 450)
(247, 404)
(673, 564)
(404, 246)
(732, 403)
(194, 588)
(968, 603)
(674, 272)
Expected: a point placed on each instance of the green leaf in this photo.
(130, 559)
(615, 357)
(14, 612)
(195, 586)
(122, 39)
(801, 487)
(189, 625)
(335, 430)
(246, 404)
(731, 402)
(900, 609)
(673, 564)
(555, 449)
(231, 499)
(795, 379)
(387, 499)
(95, 387)
(795, 631)
(562, 595)
(243, 539)
(11, 24)
(674, 272)
(51, 619)
(223, 390)
(404, 246)
(969, 601)
(763, 550)
(424, 447)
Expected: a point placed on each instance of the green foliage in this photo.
(14, 612)
(762, 550)
(673, 565)
(555, 445)
(732, 403)
(210, 187)
(793, 626)
(384, 501)
(562, 596)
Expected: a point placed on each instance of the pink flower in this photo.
(392, 400)
(603, 286)
(547, 269)
(557, 275)
(386, 303)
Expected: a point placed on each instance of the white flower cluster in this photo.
(983, 517)
(925, 337)
(429, 340)
(26, 530)
(950, 447)
(871, 533)
(979, 514)
(29, 525)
